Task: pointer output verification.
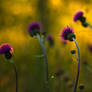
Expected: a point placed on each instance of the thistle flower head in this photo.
(50, 40)
(78, 15)
(7, 50)
(67, 34)
(34, 29)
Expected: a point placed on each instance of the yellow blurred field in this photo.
(53, 15)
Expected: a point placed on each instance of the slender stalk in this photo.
(78, 67)
(45, 60)
(16, 74)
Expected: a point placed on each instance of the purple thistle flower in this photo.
(7, 50)
(34, 29)
(78, 15)
(67, 34)
(50, 40)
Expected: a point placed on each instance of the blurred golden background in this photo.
(54, 15)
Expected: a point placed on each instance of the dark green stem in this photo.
(78, 67)
(16, 74)
(45, 60)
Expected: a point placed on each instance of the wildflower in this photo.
(34, 29)
(7, 50)
(80, 16)
(67, 34)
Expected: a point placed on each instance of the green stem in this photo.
(78, 67)
(16, 74)
(45, 60)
